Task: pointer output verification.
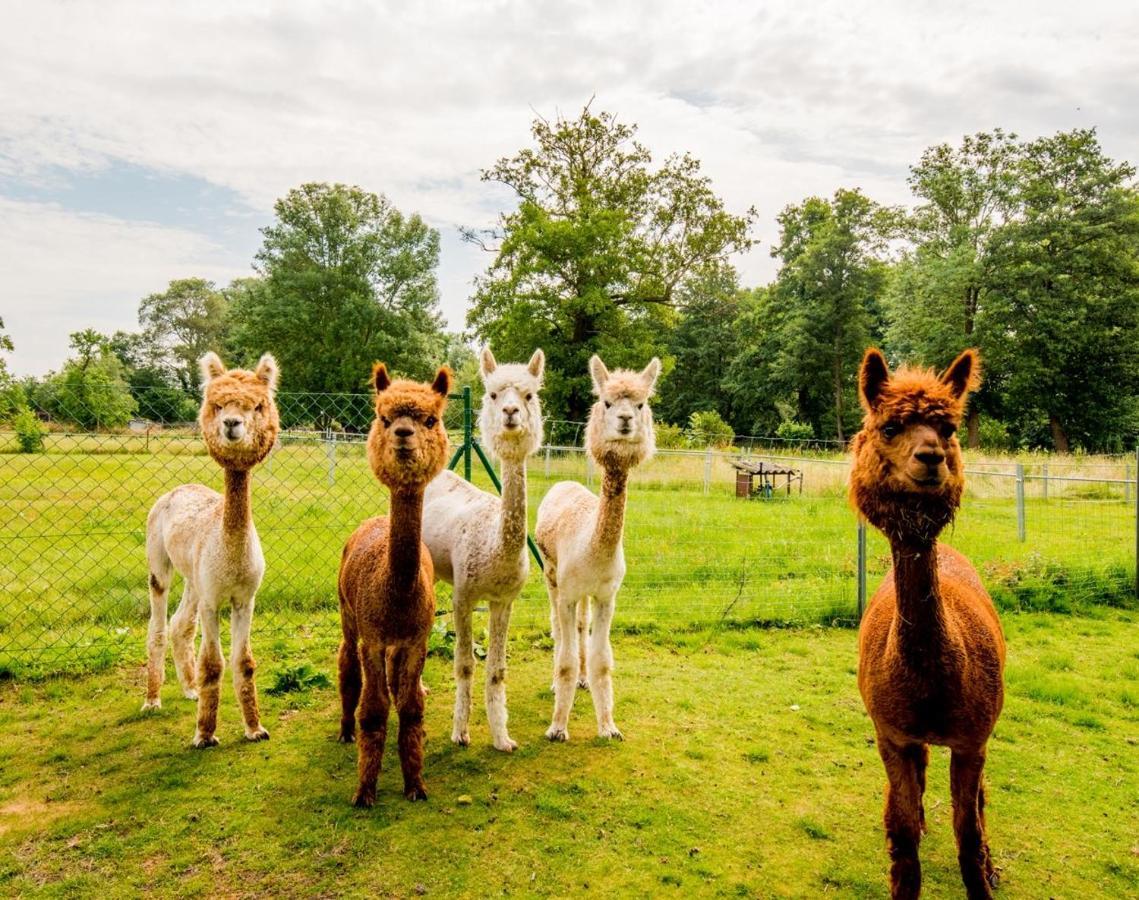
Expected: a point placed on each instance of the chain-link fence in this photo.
(1045, 532)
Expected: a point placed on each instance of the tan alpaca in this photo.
(387, 584)
(478, 540)
(210, 540)
(579, 536)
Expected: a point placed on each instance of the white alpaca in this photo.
(210, 540)
(478, 541)
(580, 540)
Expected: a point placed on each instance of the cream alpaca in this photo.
(579, 536)
(210, 540)
(478, 541)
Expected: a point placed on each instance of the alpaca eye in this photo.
(430, 421)
(529, 397)
(891, 429)
(493, 396)
(387, 422)
(948, 430)
(260, 407)
(640, 406)
(608, 404)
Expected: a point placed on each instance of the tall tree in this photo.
(1066, 302)
(179, 326)
(829, 287)
(346, 279)
(593, 257)
(91, 390)
(702, 347)
(12, 398)
(935, 302)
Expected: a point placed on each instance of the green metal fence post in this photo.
(467, 433)
(861, 568)
(1137, 522)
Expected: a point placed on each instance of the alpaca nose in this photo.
(931, 456)
(404, 432)
(231, 423)
(510, 411)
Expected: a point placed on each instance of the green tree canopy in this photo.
(91, 390)
(179, 326)
(592, 259)
(346, 279)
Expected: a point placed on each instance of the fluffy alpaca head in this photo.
(238, 417)
(407, 445)
(907, 476)
(620, 430)
(511, 416)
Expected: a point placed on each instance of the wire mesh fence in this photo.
(1045, 532)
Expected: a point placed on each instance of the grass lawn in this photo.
(748, 769)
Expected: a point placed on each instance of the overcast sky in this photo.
(141, 142)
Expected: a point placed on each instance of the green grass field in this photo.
(748, 769)
(73, 580)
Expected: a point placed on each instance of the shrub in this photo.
(29, 431)
(993, 435)
(669, 437)
(707, 429)
(790, 430)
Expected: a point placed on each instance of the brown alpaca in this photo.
(387, 583)
(211, 541)
(931, 651)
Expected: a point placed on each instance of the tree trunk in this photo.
(973, 431)
(1059, 435)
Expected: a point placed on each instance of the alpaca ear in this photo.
(537, 364)
(268, 371)
(598, 373)
(651, 373)
(442, 383)
(964, 373)
(211, 366)
(381, 380)
(487, 363)
(872, 378)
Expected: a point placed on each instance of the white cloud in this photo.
(65, 271)
(779, 99)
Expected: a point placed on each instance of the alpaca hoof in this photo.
(259, 735)
(346, 737)
(583, 683)
(418, 792)
(190, 694)
(505, 744)
(201, 743)
(462, 738)
(149, 705)
(610, 732)
(557, 733)
(364, 799)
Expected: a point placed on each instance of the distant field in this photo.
(73, 579)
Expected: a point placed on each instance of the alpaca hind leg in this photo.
(565, 669)
(408, 663)
(464, 668)
(601, 667)
(922, 763)
(903, 817)
(242, 663)
(965, 774)
(161, 573)
(582, 638)
(210, 668)
(555, 627)
(183, 628)
(496, 714)
(374, 707)
(350, 680)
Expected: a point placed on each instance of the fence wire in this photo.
(1045, 533)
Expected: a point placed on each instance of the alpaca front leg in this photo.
(409, 702)
(555, 628)
(210, 667)
(965, 780)
(156, 640)
(601, 668)
(374, 705)
(350, 682)
(902, 817)
(183, 628)
(496, 677)
(242, 663)
(565, 670)
(464, 668)
(582, 638)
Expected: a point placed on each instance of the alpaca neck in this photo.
(611, 509)
(919, 623)
(405, 528)
(512, 508)
(237, 514)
